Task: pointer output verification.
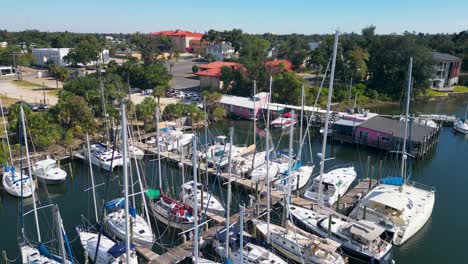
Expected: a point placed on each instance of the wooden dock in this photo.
(147, 253)
(348, 201)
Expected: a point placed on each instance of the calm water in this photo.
(446, 168)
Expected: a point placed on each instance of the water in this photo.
(440, 241)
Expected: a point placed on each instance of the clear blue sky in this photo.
(255, 16)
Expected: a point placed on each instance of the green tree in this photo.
(287, 88)
(146, 110)
(61, 74)
(84, 53)
(219, 113)
(73, 111)
(160, 90)
(195, 68)
(358, 58)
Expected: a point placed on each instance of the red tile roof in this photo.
(276, 63)
(214, 69)
(178, 33)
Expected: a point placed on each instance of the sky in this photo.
(253, 16)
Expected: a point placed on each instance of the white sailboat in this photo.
(217, 154)
(301, 246)
(400, 206)
(117, 220)
(109, 250)
(40, 254)
(211, 203)
(334, 183)
(105, 158)
(49, 172)
(14, 182)
(460, 125)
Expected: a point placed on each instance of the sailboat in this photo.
(39, 253)
(14, 182)
(211, 203)
(400, 206)
(461, 125)
(116, 220)
(335, 183)
(109, 250)
(216, 155)
(166, 209)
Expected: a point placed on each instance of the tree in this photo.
(219, 113)
(287, 88)
(389, 69)
(357, 62)
(84, 53)
(318, 58)
(61, 73)
(73, 111)
(295, 49)
(146, 110)
(160, 90)
(195, 68)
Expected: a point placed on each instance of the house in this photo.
(314, 45)
(198, 46)
(446, 71)
(3, 44)
(278, 65)
(388, 134)
(272, 53)
(210, 74)
(7, 70)
(221, 51)
(44, 55)
(180, 38)
(244, 107)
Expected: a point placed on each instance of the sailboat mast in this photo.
(408, 99)
(327, 117)
(195, 204)
(36, 218)
(466, 112)
(104, 110)
(269, 102)
(125, 175)
(92, 178)
(158, 148)
(59, 233)
(241, 220)
(6, 133)
(302, 120)
(254, 114)
(287, 190)
(228, 206)
(267, 144)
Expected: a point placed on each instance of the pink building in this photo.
(244, 106)
(180, 38)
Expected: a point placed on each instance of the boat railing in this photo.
(422, 186)
(383, 216)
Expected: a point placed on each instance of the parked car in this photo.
(148, 92)
(135, 90)
(180, 95)
(31, 106)
(196, 97)
(169, 92)
(42, 106)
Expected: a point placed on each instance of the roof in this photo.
(397, 202)
(444, 56)
(245, 102)
(222, 46)
(370, 234)
(214, 69)
(178, 33)
(276, 63)
(396, 128)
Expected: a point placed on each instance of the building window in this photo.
(385, 139)
(363, 134)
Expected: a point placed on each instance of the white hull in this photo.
(410, 209)
(142, 234)
(210, 203)
(334, 183)
(301, 175)
(163, 216)
(31, 255)
(104, 158)
(89, 243)
(47, 171)
(13, 185)
(461, 127)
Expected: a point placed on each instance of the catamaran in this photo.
(104, 158)
(49, 172)
(334, 183)
(217, 154)
(400, 206)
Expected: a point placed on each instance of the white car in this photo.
(180, 95)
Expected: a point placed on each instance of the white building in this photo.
(221, 51)
(3, 44)
(44, 55)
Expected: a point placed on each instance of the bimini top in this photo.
(369, 234)
(392, 200)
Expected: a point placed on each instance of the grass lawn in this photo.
(430, 92)
(460, 89)
(27, 84)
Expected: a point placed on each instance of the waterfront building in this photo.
(44, 56)
(244, 106)
(210, 74)
(446, 71)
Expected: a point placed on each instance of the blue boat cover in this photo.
(132, 211)
(44, 252)
(119, 202)
(6, 168)
(119, 249)
(293, 168)
(397, 181)
(221, 235)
